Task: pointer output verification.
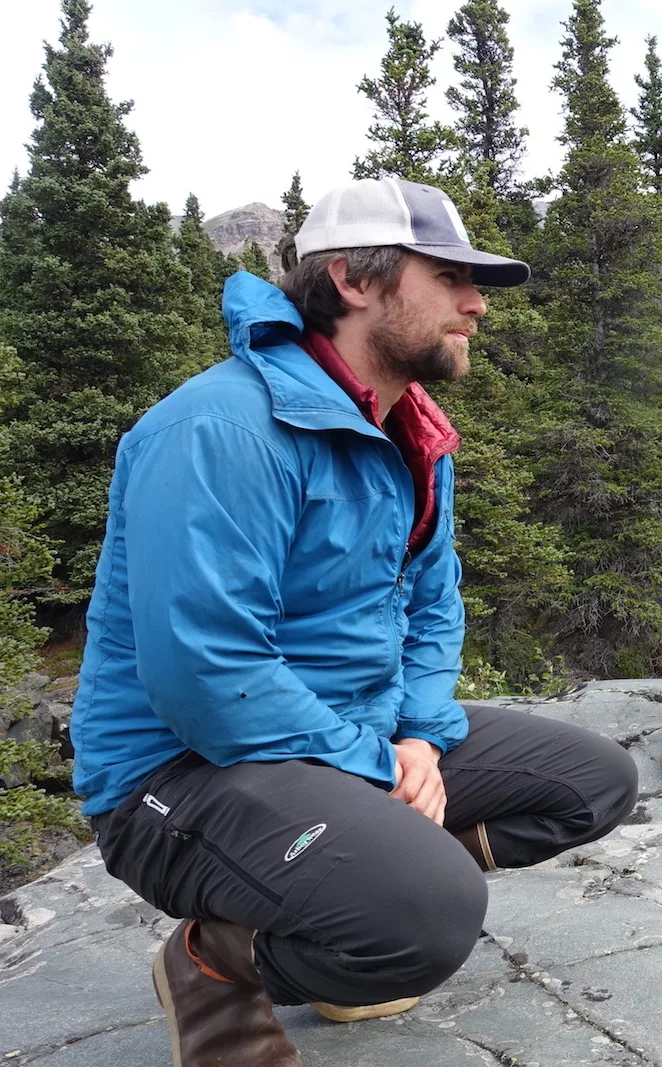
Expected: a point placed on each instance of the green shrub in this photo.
(480, 681)
(629, 663)
(25, 813)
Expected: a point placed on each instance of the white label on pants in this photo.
(152, 802)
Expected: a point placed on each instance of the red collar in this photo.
(426, 423)
(327, 355)
(418, 427)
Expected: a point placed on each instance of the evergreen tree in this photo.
(197, 252)
(600, 469)
(26, 558)
(648, 117)
(406, 143)
(225, 266)
(255, 261)
(485, 99)
(296, 208)
(18, 241)
(92, 297)
(515, 573)
(296, 213)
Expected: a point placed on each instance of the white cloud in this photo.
(232, 96)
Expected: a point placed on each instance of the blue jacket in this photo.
(250, 599)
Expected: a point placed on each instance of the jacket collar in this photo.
(266, 331)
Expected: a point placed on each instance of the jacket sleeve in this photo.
(210, 510)
(432, 654)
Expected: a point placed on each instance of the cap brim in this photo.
(488, 269)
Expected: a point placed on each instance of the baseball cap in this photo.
(390, 211)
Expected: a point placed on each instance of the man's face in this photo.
(421, 332)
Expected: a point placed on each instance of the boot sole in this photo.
(370, 1011)
(162, 989)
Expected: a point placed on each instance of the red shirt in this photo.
(416, 425)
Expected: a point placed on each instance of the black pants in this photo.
(358, 898)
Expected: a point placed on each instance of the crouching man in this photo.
(265, 731)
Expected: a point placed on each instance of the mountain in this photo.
(257, 222)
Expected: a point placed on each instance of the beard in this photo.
(400, 348)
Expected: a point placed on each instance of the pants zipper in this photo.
(186, 835)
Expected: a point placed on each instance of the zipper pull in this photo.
(400, 581)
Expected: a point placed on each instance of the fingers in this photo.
(436, 801)
(413, 780)
(429, 795)
(420, 785)
(440, 813)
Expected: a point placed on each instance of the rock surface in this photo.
(567, 973)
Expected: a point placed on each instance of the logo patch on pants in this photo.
(303, 842)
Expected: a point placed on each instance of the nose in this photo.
(471, 303)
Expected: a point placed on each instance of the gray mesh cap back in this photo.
(389, 211)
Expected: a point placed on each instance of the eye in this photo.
(451, 276)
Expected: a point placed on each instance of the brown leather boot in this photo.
(477, 844)
(218, 1012)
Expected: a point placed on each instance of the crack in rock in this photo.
(654, 695)
(499, 1055)
(43, 1051)
(644, 890)
(650, 694)
(655, 941)
(544, 984)
(633, 739)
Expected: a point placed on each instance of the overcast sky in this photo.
(232, 96)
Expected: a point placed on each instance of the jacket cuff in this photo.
(422, 736)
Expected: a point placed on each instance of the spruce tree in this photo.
(600, 468)
(648, 117)
(254, 260)
(407, 144)
(296, 208)
(197, 252)
(26, 558)
(225, 265)
(92, 297)
(515, 572)
(296, 213)
(485, 98)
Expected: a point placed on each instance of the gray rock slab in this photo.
(628, 711)
(566, 975)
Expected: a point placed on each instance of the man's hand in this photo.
(419, 779)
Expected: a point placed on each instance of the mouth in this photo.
(466, 334)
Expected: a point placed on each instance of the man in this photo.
(266, 732)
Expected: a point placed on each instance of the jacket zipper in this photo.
(400, 580)
(186, 835)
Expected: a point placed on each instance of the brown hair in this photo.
(310, 288)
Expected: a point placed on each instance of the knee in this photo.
(624, 783)
(439, 915)
(451, 925)
(617, 788)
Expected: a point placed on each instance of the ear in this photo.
(354, 296)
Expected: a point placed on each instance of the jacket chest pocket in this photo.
(344, 546)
